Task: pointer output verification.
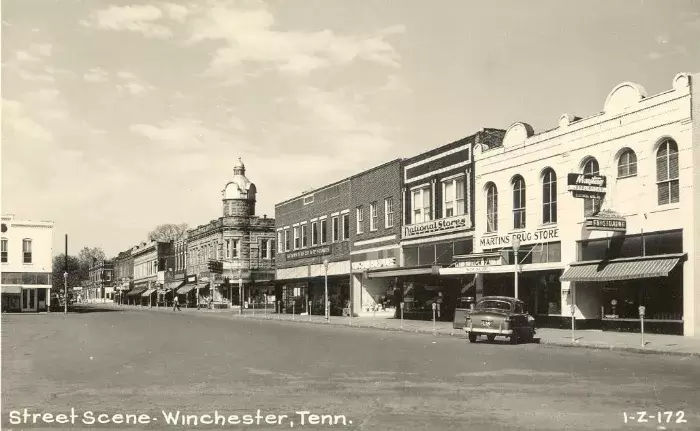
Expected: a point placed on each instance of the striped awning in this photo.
(148, 292)
(622, 269)
(402, 272)
(136, 291)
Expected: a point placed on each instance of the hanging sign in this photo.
(586, 185)
(607, 220)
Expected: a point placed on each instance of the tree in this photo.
(76, 273)
(88, 256)
(168, 232)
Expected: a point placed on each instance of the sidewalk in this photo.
(596, 339)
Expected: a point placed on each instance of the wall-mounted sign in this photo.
(585, 184)
(309, 252)
(613, 224)
(375, 263)
(192, 278)
(478, 260)
(539, 235)
(444, 225)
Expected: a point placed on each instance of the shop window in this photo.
(463, 247)
(549, 196)
(491, 208)
(444, 252)
(667, 172)
(388, 213)
(335, 229)
(648, 244)
(359, 218)
(627, 164)
(373, 217)
(453, 197)
(663, 242)
(27, 250)
(304, 238)
(426, 254)
(346, 226)
(518, 202)
(3, 253)
(421, 200)
(591, 206)
(410, 256)
(314, 234)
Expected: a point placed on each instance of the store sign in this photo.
(583, 185)
(435, 226)
(309, 252)
(478, 260)
(612, 224)
(539, 235)
(371, 264)
(192, 278)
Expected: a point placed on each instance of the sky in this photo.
(119, 116)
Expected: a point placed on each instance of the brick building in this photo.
(101, 278)
(150, 261)
(123, 275)
(243, 244)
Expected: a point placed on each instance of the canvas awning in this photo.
(148, 292)
(136, 291)
(402, 272)
(171, 285)
(622, 269)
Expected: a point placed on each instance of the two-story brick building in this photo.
(150, 261)
(26, 264)
(243, 244)
(101, 278)
(123, 275)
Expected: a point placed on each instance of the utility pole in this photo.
(65, 279)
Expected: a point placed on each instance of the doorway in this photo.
(29, 299)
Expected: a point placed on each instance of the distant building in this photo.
(101, 277)
(238, 247)
(123, 275)
(26, 264)
(150, 261)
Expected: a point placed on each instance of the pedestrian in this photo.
(176, 303)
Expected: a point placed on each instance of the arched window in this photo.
(549, 196)
(491, 208)
(591, 206)
(627, 164)
(667, 172)
(518, 202)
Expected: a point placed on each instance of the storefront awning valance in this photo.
(136, 291)
(402, 272)
(170, 285)
(148, 292)
(11, 289)
(186, 288)
(622, 269)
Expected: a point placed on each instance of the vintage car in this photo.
(500, 316)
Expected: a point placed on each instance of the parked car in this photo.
(500, 316)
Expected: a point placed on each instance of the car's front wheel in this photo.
(472, 337)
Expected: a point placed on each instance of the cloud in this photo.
(22, 55)
(180, 134)
(132, 84)
(250, 36)
(96, 74)
(176, 12)
(141, 19)
(19, 126)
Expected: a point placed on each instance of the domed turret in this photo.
(239, 193)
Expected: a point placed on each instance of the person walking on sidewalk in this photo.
(176, 303)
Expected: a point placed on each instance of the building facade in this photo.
(234, 254)
(123, 275)
(101, 278)
(437, 209)
(597, 216)
(26, 264)
(150, 261)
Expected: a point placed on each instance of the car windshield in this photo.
(498, 305)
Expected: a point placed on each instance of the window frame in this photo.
(314, 234)
(491, 208)
(324, 231)
(304, 240)
(630, 162)
(359, 220)
(4, 248)
(455, 204)
(519, 196)
(591, 206)
(345, 226)
(297, 243)
(373, 216)
(27, 255)
(668, 180)
(287, 242)
(388, 212)
(549, 197)
(335, 229)
(423, 212)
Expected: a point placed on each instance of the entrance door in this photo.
(29, 299)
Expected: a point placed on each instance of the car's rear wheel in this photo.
(472, 337)
(491, 337)
(514, 338)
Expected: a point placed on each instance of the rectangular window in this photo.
(286, 240)
(421, 204)
(4, 250)
(228, 249)
(263, 249)
(297, 240)
(335, 229)
(324, 231)
(272, 249)
(346, 226)
(453, 197)
(280, 241)
(388, 212)
(359, 217)
(235, 248)
(27, 250)
(314, 234)
(304, 239)
(373, 218)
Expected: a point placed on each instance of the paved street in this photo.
(140, 362)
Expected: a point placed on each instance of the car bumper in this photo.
(496, 331)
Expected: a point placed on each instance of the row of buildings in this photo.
(593, 220)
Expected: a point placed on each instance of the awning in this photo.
(622, 269)
(148, 292)
(11, 289)
(136, 291)
(189, 286)
(174, 284)
(402, 272)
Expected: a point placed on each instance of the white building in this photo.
(631, 242)
(26, 264)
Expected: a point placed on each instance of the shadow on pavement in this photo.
(86, 308)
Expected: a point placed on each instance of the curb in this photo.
(454, 334)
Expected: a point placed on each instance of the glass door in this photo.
(29, 300)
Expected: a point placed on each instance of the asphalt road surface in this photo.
(133, 362)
